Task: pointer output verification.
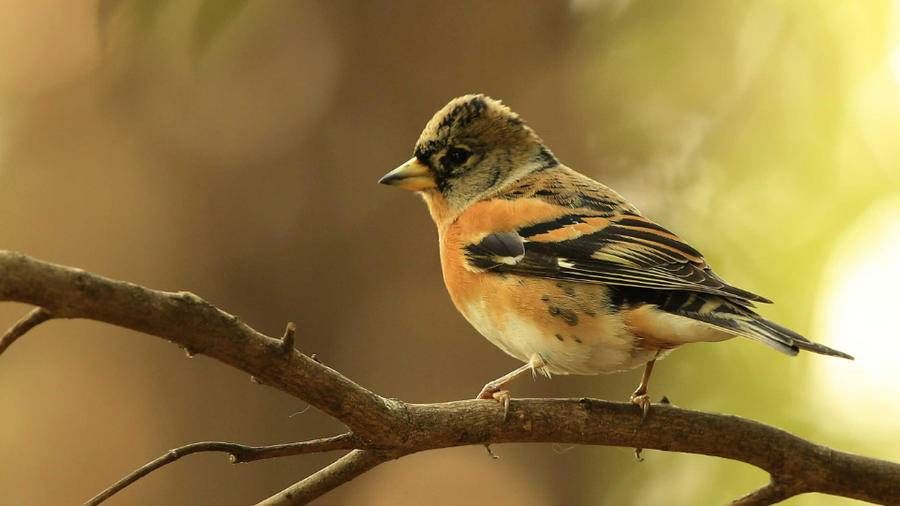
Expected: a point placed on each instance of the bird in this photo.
(559, 270)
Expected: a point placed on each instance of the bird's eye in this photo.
(455, 157)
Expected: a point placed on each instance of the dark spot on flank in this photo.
(577, 339)
(558, 337)
(570, 317)
(567, 315)
(545, 298)
(545, 193)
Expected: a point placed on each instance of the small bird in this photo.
(558, 270)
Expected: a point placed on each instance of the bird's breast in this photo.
(570, 325)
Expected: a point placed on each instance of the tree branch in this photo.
(339, 472)
(36, 317)
(236, 453)
(386, 429)
(198, 327)
(769, 494)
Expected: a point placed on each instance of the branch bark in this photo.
(339, 472)
(36, 317)
(384, 429)
(237, 453)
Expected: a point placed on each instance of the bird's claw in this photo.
(643, 402)
(496, 393)
(503, 397)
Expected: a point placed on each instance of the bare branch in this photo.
(34, 318)
(339, 472)
(764, 496)
(389, 429)
(237, 453)
(201, 328)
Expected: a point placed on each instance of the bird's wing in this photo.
(620, 249)
(648, 264)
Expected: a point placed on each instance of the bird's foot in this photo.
(642, 400)
(503, 397)
(493, 391)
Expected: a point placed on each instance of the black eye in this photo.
(455, 157)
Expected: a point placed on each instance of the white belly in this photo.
(602, 349)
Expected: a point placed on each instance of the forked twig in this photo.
(237, 453)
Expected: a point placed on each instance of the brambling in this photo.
(558, 270)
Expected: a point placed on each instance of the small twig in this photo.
(287, 340)
(339, 472)
(770, 494)
(34, 318)
(238, 453)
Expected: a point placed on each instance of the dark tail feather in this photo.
(736, 317)
(797, 342)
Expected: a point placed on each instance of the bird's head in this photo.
(471, 147)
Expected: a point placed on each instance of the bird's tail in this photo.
(735, 317)
(781, 338)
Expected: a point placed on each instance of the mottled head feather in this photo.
(474, 117)
(502, 148)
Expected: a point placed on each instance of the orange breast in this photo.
(568, 324)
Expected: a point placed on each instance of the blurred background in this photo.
(231, 148)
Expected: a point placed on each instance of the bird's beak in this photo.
(412, 175)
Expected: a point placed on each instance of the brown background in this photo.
(234, 153)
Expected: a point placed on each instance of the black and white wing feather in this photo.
(626, 250)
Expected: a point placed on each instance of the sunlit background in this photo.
(231, 148)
